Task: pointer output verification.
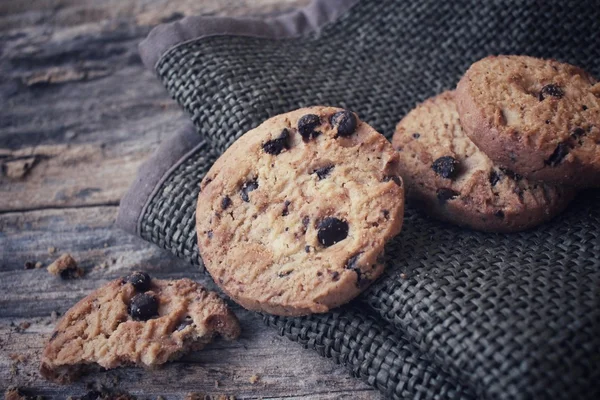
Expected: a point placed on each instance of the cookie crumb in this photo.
(24, 325)
(160, 398)
(51, 250)
(403, 275)
(216, 384)
(18, 358)
(38, 265)
(65, 267)
(254, 378)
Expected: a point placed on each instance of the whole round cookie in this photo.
(453, 180)
(539, 118)
(292, 219)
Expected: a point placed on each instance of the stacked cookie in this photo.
(508, 149)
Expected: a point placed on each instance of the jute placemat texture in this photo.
(459, 314)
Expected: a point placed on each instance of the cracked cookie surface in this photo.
(448, 176)
(539, 118)
(135, 321)
(293, 218)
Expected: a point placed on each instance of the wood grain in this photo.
(79, 114)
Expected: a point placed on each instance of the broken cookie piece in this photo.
(106, 329)
(66, 267)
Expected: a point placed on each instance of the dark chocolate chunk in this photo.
(140, 280)
(494, 178)
(499, 214)
(416, 135)
(386, 214)
(285, 273)
(286, 206)
(323, 172)
(584, 107)
(335, 276)
(184, 324)
(54, 335)
(307, 125)
(307, 249)
(577, 133)
(352, 264)
(209, 234)
(446, 167)
(143, 306)
(225, 202)
(559, 153)
(247, 187)
(276, 146)
(345, 122)
(444, 195)
(331, 231)
(551, 90)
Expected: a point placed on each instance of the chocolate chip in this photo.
(276, 146)
(331, 231)
(323, 172)
(225, 202)
(29, 265)
(559, 153)
(209, 234)
(352, 264)
(416, 135)
(54, 335)
(446, 167)
(394, 178)
(335, 276)
(386, 214)
(584, 107)
(499, 214)
(444, 195)
(143, 306)
(494, 178)
(511, 174)
(286, 205)
(551, 90)
(319, 273)
(345, 121)
(247, 187)
(185, 323)
(577, 133)
(307, 125)
(307, 249)
(140, 280)
(285, 273)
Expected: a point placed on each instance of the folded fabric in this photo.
(493, 316)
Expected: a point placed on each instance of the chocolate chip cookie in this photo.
(453, 180)
(293, 218)
(135, 321)
(538, 118)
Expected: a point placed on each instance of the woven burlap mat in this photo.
(459, 314)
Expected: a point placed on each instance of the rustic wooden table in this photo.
(78, 114)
